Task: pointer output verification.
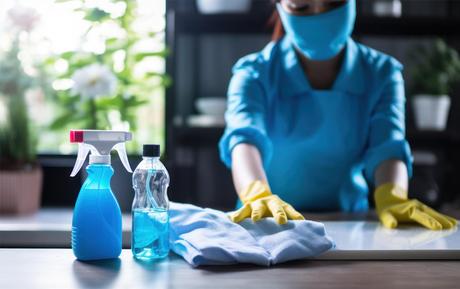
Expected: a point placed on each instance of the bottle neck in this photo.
(99, 159)
(99, 176)
(151, 159)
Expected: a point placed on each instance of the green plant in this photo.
(119, 58)
(17, 142)
(435, 69)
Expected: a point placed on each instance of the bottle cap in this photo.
(151, 150)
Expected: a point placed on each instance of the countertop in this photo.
(383, 259)
(357, 236)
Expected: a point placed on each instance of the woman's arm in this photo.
(392, 171)
(246, 166)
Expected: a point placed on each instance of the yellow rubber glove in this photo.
(259, 202)
(393, 207)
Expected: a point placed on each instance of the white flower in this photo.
(24, 18)
(93, 81)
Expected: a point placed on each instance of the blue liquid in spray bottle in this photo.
(96, 224)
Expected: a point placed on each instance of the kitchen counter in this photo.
(357, 236)
(35, 253)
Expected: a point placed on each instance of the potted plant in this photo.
(435, 71)
(20, 174)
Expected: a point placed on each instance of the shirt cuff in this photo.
(394, 149)
(245, 135)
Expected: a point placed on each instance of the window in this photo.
(123, 39)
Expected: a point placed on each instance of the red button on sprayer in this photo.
(76, 136)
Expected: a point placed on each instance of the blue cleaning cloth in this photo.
(204, 236)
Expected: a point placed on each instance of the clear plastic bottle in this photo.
(150, 216)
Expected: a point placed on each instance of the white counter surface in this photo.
(50, 228)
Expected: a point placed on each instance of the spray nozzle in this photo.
(100, 143)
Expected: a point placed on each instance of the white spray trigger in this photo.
(100, 143)
(121, 149)
(83, 150)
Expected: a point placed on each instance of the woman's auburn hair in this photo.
(275, 22)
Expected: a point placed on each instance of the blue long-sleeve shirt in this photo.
(319, 148)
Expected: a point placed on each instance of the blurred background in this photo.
(162, 69)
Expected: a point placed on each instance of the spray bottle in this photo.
(96, 223)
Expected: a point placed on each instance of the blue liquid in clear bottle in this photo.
(150, 216)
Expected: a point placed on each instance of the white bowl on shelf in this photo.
(211, 105)
(223, 6)
(203, 120)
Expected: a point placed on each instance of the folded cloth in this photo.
(204, 236)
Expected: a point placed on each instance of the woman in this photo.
(318, 120)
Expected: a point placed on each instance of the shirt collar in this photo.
(349, 78)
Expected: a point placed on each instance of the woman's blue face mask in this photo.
(320, 36)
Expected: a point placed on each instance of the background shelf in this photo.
(197, 24)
